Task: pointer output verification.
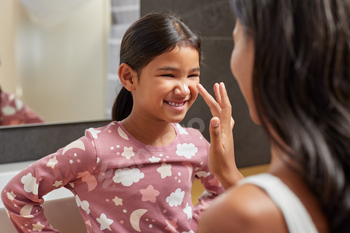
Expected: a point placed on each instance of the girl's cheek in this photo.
(194, 91)
(194, 82)
(193, 86)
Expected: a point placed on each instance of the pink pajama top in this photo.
(14, 112)
(120, 184)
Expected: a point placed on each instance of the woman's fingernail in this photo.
(215, 123)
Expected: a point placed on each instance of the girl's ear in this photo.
(127, 76)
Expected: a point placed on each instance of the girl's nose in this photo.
(186, 88)
(182, 90)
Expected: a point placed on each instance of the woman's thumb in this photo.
(214, 129)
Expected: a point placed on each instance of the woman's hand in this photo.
(221, 155)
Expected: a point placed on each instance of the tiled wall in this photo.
(214, 21)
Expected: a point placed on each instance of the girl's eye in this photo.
(167, 75)
(193, 75)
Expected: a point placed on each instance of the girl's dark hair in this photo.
(301, 86)
(146, 39)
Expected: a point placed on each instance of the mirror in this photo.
(57, 62)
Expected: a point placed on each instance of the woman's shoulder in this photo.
(244, 208)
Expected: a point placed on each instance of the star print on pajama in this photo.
(119, 183)
(149, 194)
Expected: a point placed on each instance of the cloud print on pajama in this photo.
(30, 185)
(128, 176)
(186, 150)
(176, 197)
(176, 166)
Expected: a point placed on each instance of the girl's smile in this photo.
(176, 104)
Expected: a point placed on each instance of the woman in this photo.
(291, 60)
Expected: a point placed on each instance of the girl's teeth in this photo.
(175, 104)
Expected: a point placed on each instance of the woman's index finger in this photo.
(217, 93)
(226, 108)
(209, 100)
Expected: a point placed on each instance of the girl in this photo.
(291, 60)
(135, 174)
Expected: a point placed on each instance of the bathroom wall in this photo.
(214, 21)
(7, 45)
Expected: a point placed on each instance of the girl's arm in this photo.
(221, 156)
(23, 195)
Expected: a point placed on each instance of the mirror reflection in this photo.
(14, 112)
(54, 58)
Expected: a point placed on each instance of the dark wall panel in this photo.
(25, 143)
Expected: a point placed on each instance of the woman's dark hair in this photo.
(147, 38)
(301, 87)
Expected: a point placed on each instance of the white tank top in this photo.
(296, 216)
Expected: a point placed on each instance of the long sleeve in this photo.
(23, 195)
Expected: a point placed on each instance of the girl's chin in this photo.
(176, 118)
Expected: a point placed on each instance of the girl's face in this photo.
(242, 62)
(166, 88)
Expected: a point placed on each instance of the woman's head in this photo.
(147, 38)
(300, 55)
(301, 88)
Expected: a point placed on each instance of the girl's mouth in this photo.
(176, 104)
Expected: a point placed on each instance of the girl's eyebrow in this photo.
(170, 68)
